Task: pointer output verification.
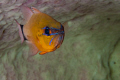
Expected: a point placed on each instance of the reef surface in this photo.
(90, 50)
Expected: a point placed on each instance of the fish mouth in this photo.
(59, 38)
(58, 34)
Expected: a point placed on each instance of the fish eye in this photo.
(47, 31)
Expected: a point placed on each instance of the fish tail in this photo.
(20, 32)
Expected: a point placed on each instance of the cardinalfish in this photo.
(41, 31)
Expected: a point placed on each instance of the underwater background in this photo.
(91, 46)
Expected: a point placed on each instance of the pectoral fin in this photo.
(33, 50)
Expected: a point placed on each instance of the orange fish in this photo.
(41, 31)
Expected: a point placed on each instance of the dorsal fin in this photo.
(27, 13)
(35, 10)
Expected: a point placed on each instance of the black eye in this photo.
(47, 32)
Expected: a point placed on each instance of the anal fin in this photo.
(33, 50)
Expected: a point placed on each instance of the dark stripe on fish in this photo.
(22, 32)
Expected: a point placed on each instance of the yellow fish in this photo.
(41, 31)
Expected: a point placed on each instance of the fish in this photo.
(41, 32)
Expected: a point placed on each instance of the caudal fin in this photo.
(20, 32)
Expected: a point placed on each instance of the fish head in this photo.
(51, 38)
